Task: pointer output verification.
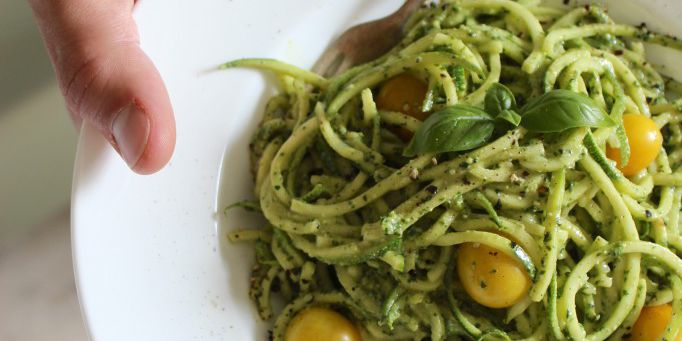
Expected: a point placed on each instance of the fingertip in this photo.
(159, 148)
(151, 130)
(144, 141)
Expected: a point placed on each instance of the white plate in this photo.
(150, 261)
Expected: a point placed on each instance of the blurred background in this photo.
(37, 148)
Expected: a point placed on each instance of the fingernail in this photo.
(131, 131)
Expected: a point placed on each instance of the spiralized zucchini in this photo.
(355, 225)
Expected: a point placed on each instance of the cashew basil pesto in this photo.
(473, 183)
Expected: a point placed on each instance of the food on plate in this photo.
(508, 171)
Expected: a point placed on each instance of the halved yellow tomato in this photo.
(403, 93)
(318, 323)
(490, 277)
(645, 142)
(652, 322)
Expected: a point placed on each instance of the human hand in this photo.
(106, 79)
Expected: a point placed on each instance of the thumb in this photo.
(107, 80)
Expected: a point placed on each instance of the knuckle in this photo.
(83, 83)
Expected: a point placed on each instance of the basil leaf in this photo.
(498, 99)
(509, 116)
(559, 110)
(455, 128)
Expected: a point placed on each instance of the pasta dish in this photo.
(509, 171)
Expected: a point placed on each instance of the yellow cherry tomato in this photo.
(490, 277)
(645, 142)
(403, 93)
(651, 323)
(319, 323)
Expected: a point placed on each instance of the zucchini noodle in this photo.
(355, 225)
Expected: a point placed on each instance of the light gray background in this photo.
(37, 148)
